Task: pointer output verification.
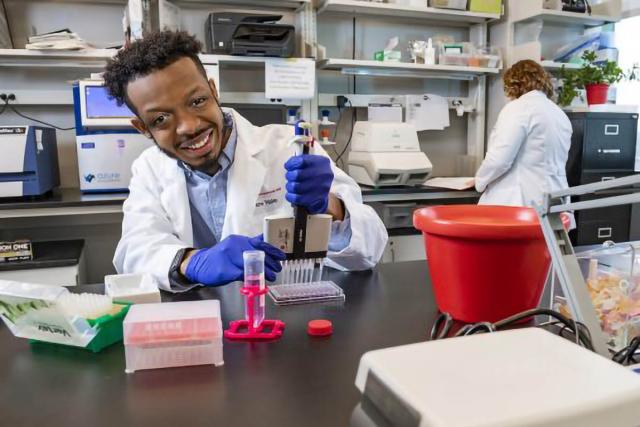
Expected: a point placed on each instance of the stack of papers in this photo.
(457, 183)
(58, 40)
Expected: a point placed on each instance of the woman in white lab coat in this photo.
(529, 145)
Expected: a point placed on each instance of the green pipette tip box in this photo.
(109, 331)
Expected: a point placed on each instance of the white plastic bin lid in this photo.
(124, 285)
(172, 321)
(526, 377)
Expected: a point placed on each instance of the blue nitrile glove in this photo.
(223, 263)
(309, 179)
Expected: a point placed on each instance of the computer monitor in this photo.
(98, 109)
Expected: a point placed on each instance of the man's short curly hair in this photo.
(525, 76)
(154, 52)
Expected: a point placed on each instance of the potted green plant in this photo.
(594, 77)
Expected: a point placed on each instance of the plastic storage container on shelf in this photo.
(612, 275)
(460, 59)
(173, 334)
(486, 262)
(449, 4)
(413, 3)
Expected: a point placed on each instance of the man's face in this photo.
(177, 107)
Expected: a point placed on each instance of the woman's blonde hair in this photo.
(525, 76)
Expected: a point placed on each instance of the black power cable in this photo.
(24, 116)
(346, 146)
(443, 325)
(626, 355)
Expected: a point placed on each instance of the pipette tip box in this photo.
(173, 334)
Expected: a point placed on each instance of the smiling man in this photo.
(199, 197)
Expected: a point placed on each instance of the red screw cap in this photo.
(319, 328)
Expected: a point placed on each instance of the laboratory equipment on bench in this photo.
(578, 283)
(254, 326)
(52, 315)
(510, 378)
(304, 239)
(384, 154)
(486, 262)
(106, 142)
(246, 34)
(173, 334)
(29, 161)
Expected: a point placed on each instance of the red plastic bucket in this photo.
(597, 93)
(486, 262)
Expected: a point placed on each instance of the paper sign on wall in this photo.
(290, 78)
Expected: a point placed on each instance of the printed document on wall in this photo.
(427, 112)
(290, 78)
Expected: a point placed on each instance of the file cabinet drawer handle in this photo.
(612, 129)
(604, 232)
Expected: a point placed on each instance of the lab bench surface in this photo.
(70, 201)
(63, 198)
(296, 381)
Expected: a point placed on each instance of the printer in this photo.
(230, 33)
(106, 142)
(29, 161)
(386, 154)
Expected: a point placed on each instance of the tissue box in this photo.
(173, 334)
(132, 288)
(486, 6)
(388, 55)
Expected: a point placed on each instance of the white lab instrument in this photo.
(106, 142)
(384, 154)
(524, 377)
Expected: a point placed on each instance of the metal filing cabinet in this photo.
(603, 147)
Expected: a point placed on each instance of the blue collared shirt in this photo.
(208, 201)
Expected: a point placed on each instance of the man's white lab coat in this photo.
(527, 153)
(157, 215)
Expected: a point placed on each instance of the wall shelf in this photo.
(242, 61)
(358, 7)
(557, 66)
(560, 17)
(280, 4)
(404, 69)
(95, 58)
